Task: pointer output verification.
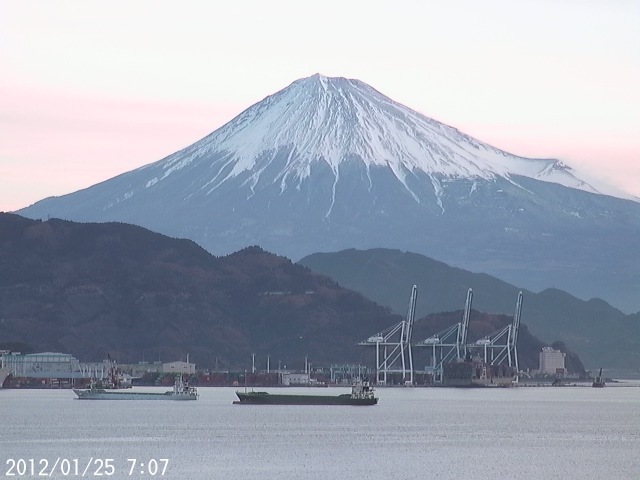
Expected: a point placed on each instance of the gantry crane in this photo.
(393, 346)
(449, 344)
(502, 345)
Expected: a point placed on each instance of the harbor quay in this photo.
(63, 370)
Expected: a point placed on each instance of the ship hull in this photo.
(502, 382)
(107, 395)
(263, 398)
(478, 374)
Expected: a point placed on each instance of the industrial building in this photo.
(179, 367)
(65, 367)
(551, 361)
(42, 365)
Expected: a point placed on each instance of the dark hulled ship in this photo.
(361, 395)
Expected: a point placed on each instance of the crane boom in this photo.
(516, 320)
(512, 341)
(411, 313)
(464, 326)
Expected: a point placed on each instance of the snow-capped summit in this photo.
(331, 120)
(330, 163)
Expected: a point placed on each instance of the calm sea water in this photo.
(437, 433)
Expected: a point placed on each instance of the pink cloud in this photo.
(612, 157)
(52, 143)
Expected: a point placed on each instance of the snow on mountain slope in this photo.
(322, 119)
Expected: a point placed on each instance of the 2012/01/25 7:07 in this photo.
(74, 467)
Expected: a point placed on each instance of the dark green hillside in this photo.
(98, 289)
(93, 289)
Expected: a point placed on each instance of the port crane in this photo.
(502, 345)
(393, 346)
(450, 344)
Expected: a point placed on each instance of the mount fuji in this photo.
(331, 163)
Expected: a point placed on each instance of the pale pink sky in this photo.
(91, 90)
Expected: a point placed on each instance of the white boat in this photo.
(181, 391)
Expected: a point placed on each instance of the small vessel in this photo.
(361, 394)
(599, 381)
(115, 378)
(181, 391)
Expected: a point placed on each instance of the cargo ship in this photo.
(361, 395)
(181, 391)
(476, 373)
